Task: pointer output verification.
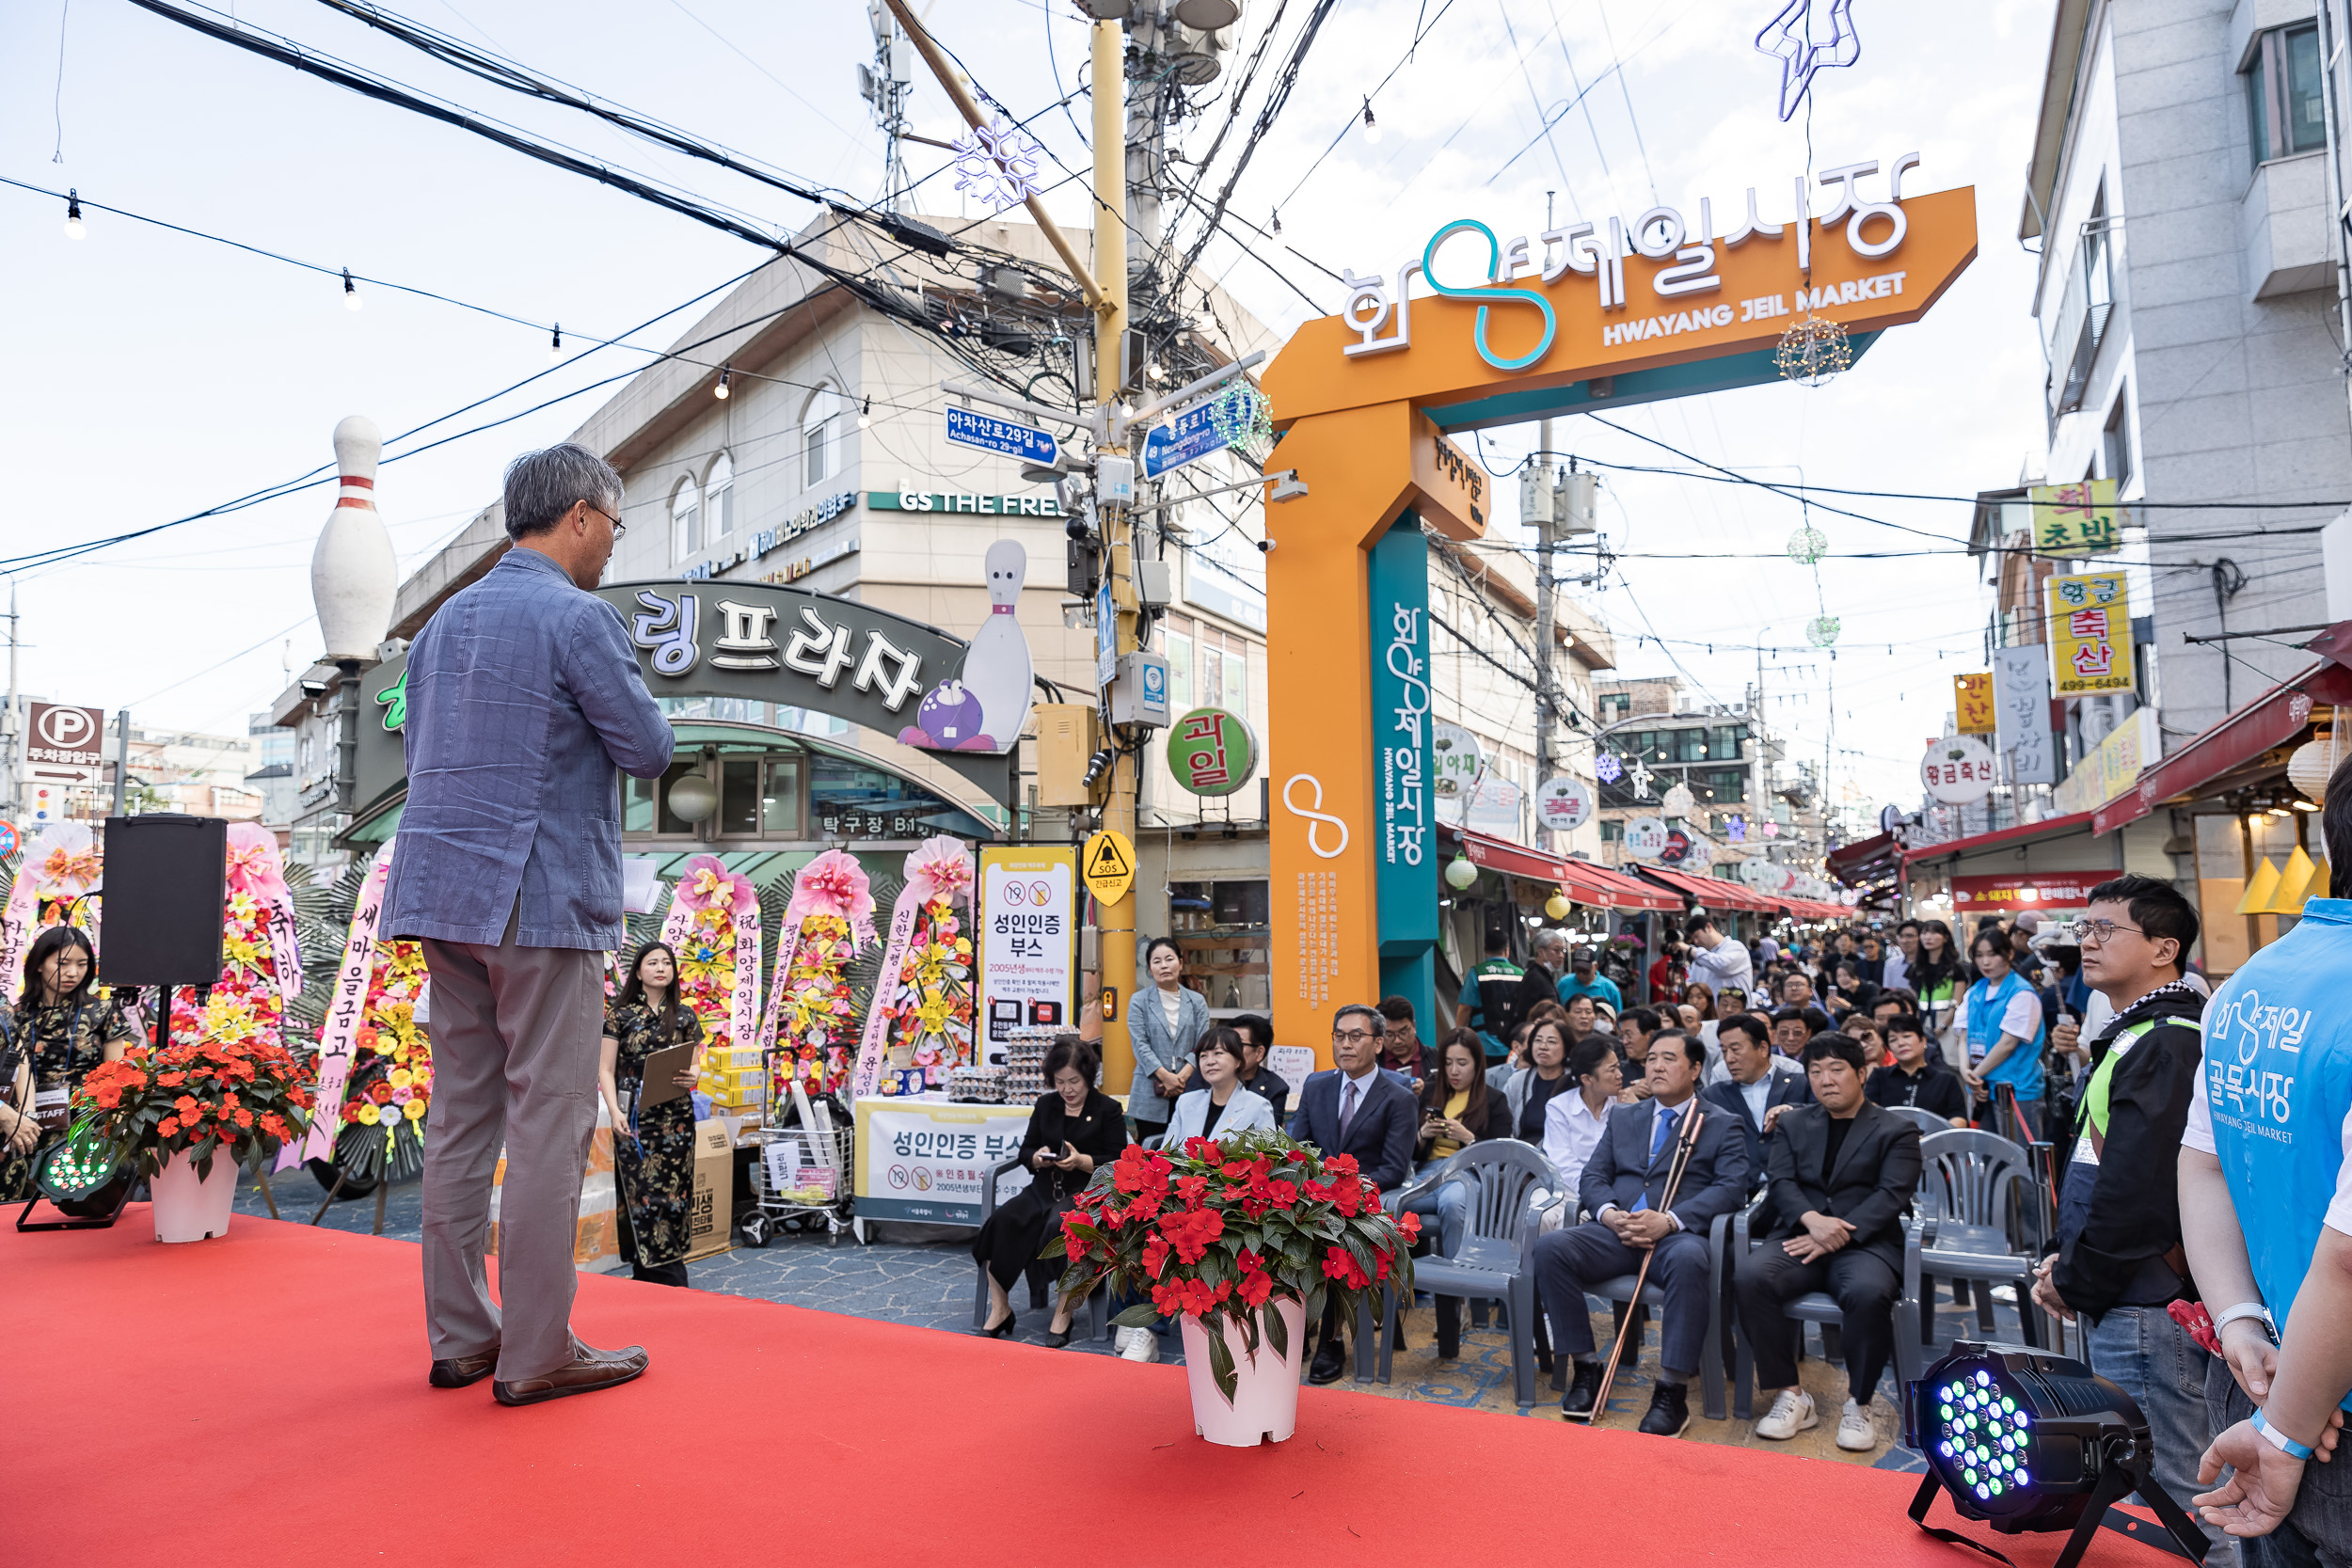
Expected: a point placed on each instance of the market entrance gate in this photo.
(1581, 317)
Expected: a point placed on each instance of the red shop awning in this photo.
(1582, 881)
(2017, 837)
(1711, 890)
(2270, 719)
(1854, 864)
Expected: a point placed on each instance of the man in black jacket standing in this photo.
(1842, 1174)
(2119, 1260)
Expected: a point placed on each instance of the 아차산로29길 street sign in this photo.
(990, 434)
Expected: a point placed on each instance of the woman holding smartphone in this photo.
(1075, 1127)
(653, 1146)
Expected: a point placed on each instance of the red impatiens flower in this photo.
(1341, 1164)
(1339, 1264)
(1255, 1289)
(1155, 1256)
(1191, 1188)
(169, 1127)
(1347, 1197)
(1409, 1223)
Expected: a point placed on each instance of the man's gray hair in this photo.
(1549, 939)
(542, 486)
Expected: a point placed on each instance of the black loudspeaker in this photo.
(167, 887)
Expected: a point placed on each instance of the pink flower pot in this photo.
(1264, 1407)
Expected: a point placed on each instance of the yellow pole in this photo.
(1117, 921)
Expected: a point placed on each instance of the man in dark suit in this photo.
(1843, 1171)
(1753, 1092)
(1624, 1187)
(1357, 1110)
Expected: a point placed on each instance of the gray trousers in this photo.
(515, 1032)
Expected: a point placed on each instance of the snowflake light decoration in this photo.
(1821, 631)
(998, 164)
(1794, 37)
(1608, 767)
(1813, 350)
(1807, 545)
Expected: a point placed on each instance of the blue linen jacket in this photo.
(523, 696)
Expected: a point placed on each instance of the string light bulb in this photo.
(1371, 126)
(719, 391)
(351, 292)
(1278, 220)
(865, 415)
(555, 344)
(73, 226)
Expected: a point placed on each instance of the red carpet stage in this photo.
(162, 1403)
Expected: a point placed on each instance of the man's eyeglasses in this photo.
(619, 528)
(2095, 933)
(1350, 1037)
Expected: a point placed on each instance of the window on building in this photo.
(780, 804)
(818, 418)
(719, 500)
(1611, 832)
(2083, 311)
(2285, 114)
(1178, 629)
(1690, 745)
(2117, 441)
(686, 521)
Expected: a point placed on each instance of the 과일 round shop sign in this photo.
(1211, 750)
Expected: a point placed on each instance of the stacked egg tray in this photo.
(977, 1086)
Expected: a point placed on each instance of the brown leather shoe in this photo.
(589, 1369)
(464, 1370)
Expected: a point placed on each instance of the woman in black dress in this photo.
(1075, 1128)
(653, 1149)
(58, 1032)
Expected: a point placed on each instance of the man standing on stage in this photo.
(523, 696)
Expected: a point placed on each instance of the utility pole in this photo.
(1118, 941)
(1545, 534)
(122, 757)
(12, 719)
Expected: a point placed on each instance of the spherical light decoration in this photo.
(694, 798)
(2313, 763)
(1557, 906)
(1812, 351)
(1240, 415)
(1807, 545)
(1460, 873)
(1821, 631)
(1677, 801)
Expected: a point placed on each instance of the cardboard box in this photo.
(710, 1218)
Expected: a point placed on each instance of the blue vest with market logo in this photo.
(2277, 1080)
(2021, 1067)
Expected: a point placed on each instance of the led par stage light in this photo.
(2030, 1442)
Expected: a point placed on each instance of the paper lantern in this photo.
(1460, 873)
(694, 798)
(2261, 889)
(2313, 763)
(1557, 906)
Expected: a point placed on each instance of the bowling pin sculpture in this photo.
(354, 573)
(986, 707)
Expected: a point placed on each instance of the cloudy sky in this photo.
(155, 375)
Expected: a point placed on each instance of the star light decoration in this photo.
(1794, 37)
(998, 164)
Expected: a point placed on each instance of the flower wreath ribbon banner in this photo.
(61, 862)
(706, 884)
(345, 1010)
(256, 870)
(832, 884)
(941, 867)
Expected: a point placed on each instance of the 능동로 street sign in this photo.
(1187, 438)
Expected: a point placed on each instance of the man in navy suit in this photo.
(1357, 1109)
(1756, 1089)
(1623, 1189)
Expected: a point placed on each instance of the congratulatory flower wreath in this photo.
(1225, 1229)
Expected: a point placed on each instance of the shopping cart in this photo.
(800, 1181)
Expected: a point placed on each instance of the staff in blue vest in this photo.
(2266, 1212)
(2004, 1035)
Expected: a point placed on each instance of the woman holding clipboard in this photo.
(653, 1121)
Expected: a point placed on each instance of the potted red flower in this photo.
(191, 1115)
(1242, 1240)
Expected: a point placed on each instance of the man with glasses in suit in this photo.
(1623, 1188)
(1357, 1110)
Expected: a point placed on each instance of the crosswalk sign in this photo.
(1108, 866)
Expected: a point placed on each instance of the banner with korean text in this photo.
(1404, 860)
(2090, 634)
(926, 1160)
(1972, 699)
(2020, 711)
(2079, 519)
(1029, 945)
